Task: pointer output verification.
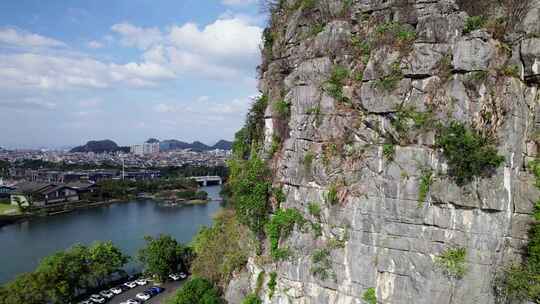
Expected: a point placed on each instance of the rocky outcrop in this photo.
(389, 234)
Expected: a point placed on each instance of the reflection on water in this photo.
(126, 224)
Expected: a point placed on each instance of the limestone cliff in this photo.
(357, 75)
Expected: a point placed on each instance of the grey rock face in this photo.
(379, 232)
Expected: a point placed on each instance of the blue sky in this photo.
(126, 70)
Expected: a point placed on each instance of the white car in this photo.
(174, 276)
(141, 282)
(143, 296)
(106, 294)
(183, 275)
(131, 301)
(116, 290)
(97, 298)
(85, 302)
(130, 284)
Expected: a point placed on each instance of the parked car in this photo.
(106, 294)
(143, 296)
(97, 298)
(86, 302)
(141, 282)
(130, 301)
(117, 290)
(130, 284)
(155, 290)
(174, 276)
(183, 275)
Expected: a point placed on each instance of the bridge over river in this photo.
(207, 180)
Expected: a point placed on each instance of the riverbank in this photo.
(125, 223)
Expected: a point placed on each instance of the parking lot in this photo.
(170, 288)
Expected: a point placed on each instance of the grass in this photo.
(272, 284)
(6, 209)
(334, 85)
(321, 265)
(425, 183)
(370, 296)
(390, 81)
(331, 196)
(474, 23)
(452, 262)
(314, 209)
(282, 108)
(389, 150)
(276, 144)
(308, 160)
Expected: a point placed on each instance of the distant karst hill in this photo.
(173, 144)
(100, 146)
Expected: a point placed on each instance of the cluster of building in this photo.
(44, 187)
(143, 156)
(145, 149)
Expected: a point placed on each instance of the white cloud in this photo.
(224, 37)
(238, 2)
(51, 72)
(95, 44)
(28, 103)
(138, 37)
(14, 37)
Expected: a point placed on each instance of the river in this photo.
(24, 244)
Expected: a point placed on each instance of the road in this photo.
(170, 288)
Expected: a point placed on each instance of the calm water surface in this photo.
(22, 245)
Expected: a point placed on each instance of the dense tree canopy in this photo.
(197, 291)
(163, 255)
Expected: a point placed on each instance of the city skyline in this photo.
(126, 71)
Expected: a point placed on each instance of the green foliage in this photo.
(522, 282)
(468, 153)
(281, 226)
(317, 229)
(279, 195)
(452, 262)
(308, 160)
(197, 291)
(249, 184)
(260, 281)
(331, 197)
(276, 144)
(59, 277)
(221, 248)
(334, 85)
(272, 284)
(425, 183)
(389, 150)
(162, 256)
(396, 34)
(316, 29)
(321, 265)
(252, 134)
(510, 70)
(473, 23)
(390, 81)
(268, 41)
(252, 299)
(408, 119)
(314, 209)
(478, 76)
(282, 108)
(370, 296)
(362, 47)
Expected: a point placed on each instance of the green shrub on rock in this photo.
(452, 262)
(468, 152)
